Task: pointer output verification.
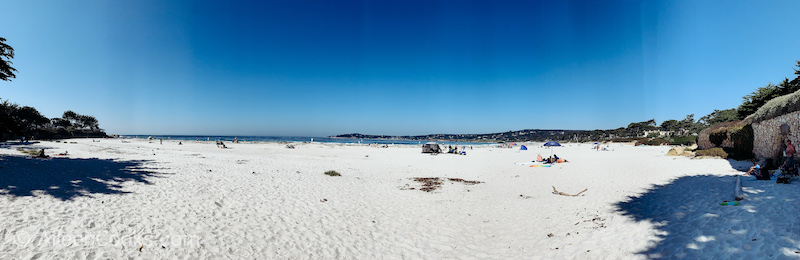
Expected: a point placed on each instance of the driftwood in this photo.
(737, 190)
(565, 194)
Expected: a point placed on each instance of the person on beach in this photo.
(539, 158)
(790, 151)
(753, 169)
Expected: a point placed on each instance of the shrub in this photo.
(713, 152)
(655, 141)
(332, 173)
(742, 139)
(683, 140)
(778, 106)
(717, 138)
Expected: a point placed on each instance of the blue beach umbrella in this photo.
(551, 144)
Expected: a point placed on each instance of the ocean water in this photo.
(300, 139)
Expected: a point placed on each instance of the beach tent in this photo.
(523, 147)
(431, 147)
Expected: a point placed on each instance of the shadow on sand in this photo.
(692, 224)
(68, 178)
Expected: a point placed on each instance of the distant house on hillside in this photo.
(659, 132)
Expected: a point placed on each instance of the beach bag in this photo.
(762, 175)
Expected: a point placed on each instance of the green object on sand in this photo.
(729, 203)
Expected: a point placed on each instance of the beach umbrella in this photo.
(551, 144)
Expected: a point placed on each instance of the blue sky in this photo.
(317, 68)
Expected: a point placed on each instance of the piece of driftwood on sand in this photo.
(565, 194)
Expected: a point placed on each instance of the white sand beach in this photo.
(110, 199)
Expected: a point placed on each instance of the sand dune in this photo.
(110, 199)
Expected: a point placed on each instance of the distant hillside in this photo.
(510, 136)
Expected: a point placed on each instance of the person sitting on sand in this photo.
(539, 158)
(41, 154)
(556, 159)
(753, 169)
(550, 159)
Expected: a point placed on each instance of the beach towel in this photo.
(529, 163)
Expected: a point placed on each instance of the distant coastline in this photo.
(527, 135)
(290, 139)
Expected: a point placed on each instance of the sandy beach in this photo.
(140, 199)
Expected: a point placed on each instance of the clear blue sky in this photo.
(316, 68)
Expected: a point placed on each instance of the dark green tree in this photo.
(88, 122)
(753, 101)
(719, 116)
(73, 118)
(688, 125)
(29, 117)
(638, 128)
(18, 120)
(60, 122)
(6, 54)
(7, 123)
(669, 125)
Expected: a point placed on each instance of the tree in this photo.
(77, 121)
(7, 122)
(88, 121)
(719, 116)
(60, 122)
(69, 115)
(669, 125)
(6, 54)
(753, 101)
(18, 120)
(688, 125)
(637, 129)
(29, 117)
(73, 118)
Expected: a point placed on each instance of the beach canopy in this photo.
(431, 147)
(523, 148)
(551, 143)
